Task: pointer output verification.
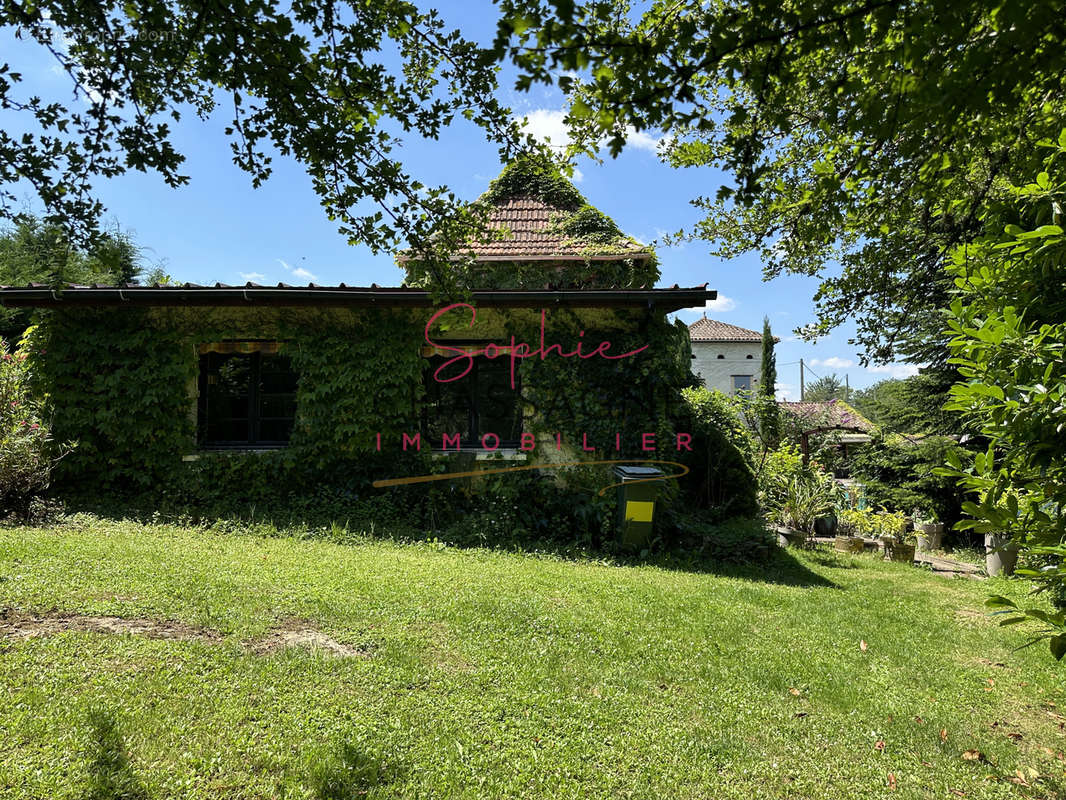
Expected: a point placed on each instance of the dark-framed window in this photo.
(481, 402)
(247, 395)
(741, 383)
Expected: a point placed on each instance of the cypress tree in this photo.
(769, 419)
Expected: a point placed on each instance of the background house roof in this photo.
(828, 414)
(711, 330)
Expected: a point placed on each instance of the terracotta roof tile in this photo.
(828, 414)
(526, 223)
(711, 330)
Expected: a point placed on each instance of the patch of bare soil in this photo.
(20, 625)
(296, 633)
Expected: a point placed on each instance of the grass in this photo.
(491, 674)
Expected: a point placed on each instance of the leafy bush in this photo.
(870, 524)
(795, 494)
(1008, 326)
(27, 450)
(722, 478)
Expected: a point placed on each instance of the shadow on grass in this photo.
(831, 559)
(780, 567)
(777, 566)
(110, 774)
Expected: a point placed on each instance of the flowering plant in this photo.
(27, 451)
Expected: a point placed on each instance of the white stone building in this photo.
(726, 357)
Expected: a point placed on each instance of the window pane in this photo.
(447, 405)
(742, 383)
(246, 398)
(275, 430)
(225, 397)
(479, 403)
(276, 375)
(277, 405)
(497, 403)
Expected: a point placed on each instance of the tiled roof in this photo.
(711, 330)
(131, 294)
(527, 227)
(828, 414)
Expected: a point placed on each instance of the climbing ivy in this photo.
(110, 379)
(122, 383)
(581, 224)
(531, 176)
(600, 398)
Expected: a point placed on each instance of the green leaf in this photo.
(1058, 646)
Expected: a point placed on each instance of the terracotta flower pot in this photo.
(896, 551)
(849, 544)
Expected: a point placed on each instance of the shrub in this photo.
(722, 478)
(871, 524)
(27, 451)
(795, 494)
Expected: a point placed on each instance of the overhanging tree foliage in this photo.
(866, 132)
(1008, 326)
(315, 81)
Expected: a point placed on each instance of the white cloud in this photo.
(833, 363)
(549, 126)
(578, 176)
(642, 140)
(895, 370)
(254, 277)
(721, 303)
(298, 272)
(785, 391)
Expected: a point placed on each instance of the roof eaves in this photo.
(40, 295)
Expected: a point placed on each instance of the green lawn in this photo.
(483, 674)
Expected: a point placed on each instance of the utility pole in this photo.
(802, 389)
(847, 389)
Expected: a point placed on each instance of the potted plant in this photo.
(1001, 554)
(928, 530)
(826, 525)
(803, 498)
(899, 545)
(847, 538)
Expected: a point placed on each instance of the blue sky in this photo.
(218, 228)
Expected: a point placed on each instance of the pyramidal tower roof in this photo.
(536, 214)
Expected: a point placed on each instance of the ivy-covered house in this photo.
(163, 385)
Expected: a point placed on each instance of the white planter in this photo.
(931, 536)
(1000, 554)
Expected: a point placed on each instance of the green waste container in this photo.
(639, 487)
